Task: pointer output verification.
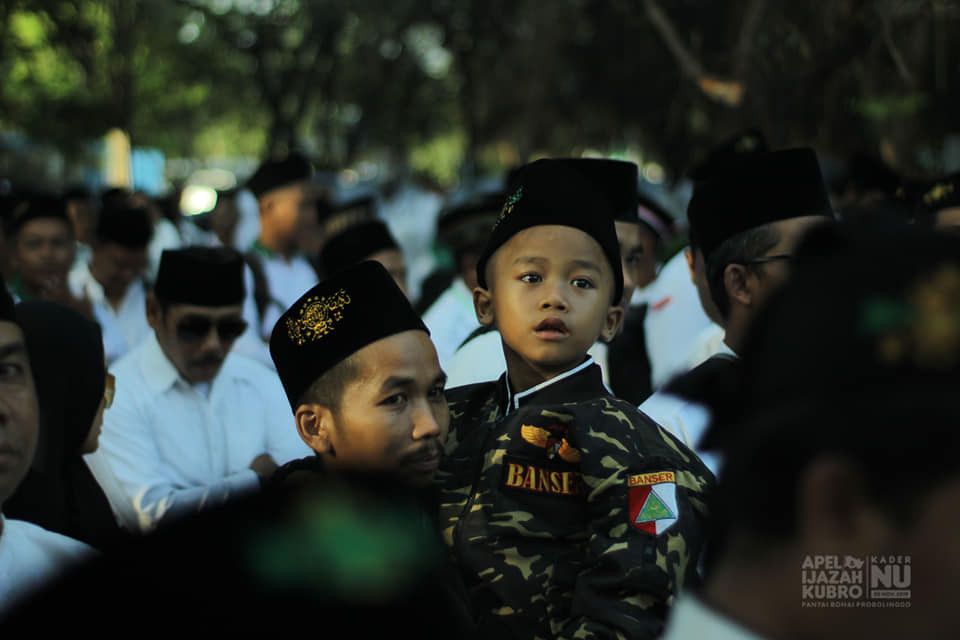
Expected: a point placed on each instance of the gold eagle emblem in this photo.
(555, 445)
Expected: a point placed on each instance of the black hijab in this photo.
(59, 492)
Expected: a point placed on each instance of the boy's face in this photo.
(550, 296)
(392, 414)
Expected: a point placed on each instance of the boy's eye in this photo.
(582, 283)
(531, 277)
(395, 400)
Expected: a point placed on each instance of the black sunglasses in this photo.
(197, 328)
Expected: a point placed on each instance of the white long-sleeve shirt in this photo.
(170, 448)
(123, 328)
(287, 280)
(30, 556)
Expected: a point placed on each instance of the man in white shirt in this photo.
(113, 279)
(282, 189)
(745, 224)
(192, 424)
(29, 555)
(451, 318)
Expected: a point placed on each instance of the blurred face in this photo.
(284, 211)
(93, 437)
(392, 260)
(393, 415)
(223, 220)
(772, 275)
(81, 213)
(637, 255)
(550, 297)
(196, 339)
(18, 410)
(44, 251)
(115, 267)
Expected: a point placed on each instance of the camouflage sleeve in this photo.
(645, 512)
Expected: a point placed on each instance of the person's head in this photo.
(282, 189)
(18, 401)
(362, 376)
(42, 240)
(224, 217)
(82, 211)
(196, 309)
(367, 240)
(69, 371)
(463, 228)
(640, 237)
(550, 278)
(120, 248)
(842, 438)
(747, 220)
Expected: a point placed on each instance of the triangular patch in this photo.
(654, 509)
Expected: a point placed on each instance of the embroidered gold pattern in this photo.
(318, 316)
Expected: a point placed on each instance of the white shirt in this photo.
(123, 328)
(170, 449)
(287, 280)
(451, 319)
(30, 556)
(411, 215)
(482, 360)
(674, 319)
(684, 418)
(706, 345)
(690, 619)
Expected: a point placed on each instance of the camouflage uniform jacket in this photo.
(569, 512)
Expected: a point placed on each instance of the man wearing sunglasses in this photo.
(192, 423)
(745, 221)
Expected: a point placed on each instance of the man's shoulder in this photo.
(476, 392)
(48, 543)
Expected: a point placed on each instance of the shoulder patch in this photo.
(652, 499)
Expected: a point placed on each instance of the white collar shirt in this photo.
(123, 328)
(31, 555)
(287, 280)
(451, 319)
(167, 448)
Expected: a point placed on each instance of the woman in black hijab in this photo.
(73, 390)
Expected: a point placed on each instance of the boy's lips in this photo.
(552, 329)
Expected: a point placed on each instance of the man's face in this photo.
(393, 414)
(770, 276)
(287, 210)
(44, 251)
(550, 297)
(196, 339)
(392, 260)
(115, 267)
(638, 257)
(18, 410)
(82, 215)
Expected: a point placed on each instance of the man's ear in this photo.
(836, 509)
(154, 312)
(483, 306)
(738, 283)
(315, 426)
(612, 324)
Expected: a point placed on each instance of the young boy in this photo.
(569, 513)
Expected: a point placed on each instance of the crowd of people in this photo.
(565, 430)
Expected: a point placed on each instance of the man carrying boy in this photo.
(569, 513)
